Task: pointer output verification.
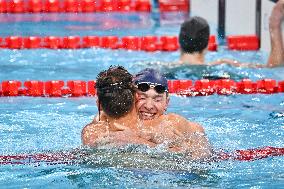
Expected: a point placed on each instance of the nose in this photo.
(149, 104)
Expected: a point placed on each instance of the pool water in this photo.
(47, 125)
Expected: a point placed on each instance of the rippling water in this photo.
(52, 125)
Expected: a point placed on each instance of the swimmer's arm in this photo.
(236, 63)
(199, 147)
(276, 57)
(124, 135)
(196, 142)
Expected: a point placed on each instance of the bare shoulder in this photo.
(183, 124)
(91, 132)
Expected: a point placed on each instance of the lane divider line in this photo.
(76, 156)
(73, 6)
(144, 43)
(187, 88)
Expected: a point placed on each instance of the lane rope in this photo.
(71, 157)
(73, 6)
(187, 88)
(134, 43)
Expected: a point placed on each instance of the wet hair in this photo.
(194, 35)
(115, 91)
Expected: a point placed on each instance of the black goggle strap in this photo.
(99, 109)
(152, 85)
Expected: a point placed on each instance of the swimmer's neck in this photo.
(129, 120)
(192, 58)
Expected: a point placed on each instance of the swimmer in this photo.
(116, 99)
(276, 57)
(194, 36)
(151, 104)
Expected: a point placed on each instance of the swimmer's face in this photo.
(150, 104)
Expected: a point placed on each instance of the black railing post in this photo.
(221, 19)
(258, 21)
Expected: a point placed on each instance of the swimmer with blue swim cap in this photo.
(152, 94)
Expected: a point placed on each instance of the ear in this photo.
(136, 97)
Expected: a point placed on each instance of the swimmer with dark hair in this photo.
(194, 37)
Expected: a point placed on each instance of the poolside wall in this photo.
(241, 17)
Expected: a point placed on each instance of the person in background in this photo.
(276, 57)
(194, 36)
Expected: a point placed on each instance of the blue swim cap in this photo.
(150, 75)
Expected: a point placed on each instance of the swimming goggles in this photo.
(145, 86)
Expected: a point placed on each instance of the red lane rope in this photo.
(73, 6)
(78, 88)
(70, 158)
(252, 154)
(144, 43)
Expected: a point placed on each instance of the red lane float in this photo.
(252, 154)
(14, 42)
(125, 5)
(16, 6)
(149, 43)
(91, 41)
(32, 42)
(71, 157)
(11, 88)
(73, 6)
(143, 5)
(109, 42)
(88, 6)
(169, 43)
(188, 88)
(174, 5)
(77, 88)
(35, 6)
(71, 42)
(130, 42)
(34, 88)
(51, 6)
(212, 44)
(243, 43)
(3, 6)
(54, 88)
(145, 43)
(52, 42)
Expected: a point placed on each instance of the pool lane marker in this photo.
(71, 158)
(134, 43)
(187, 88)
(74, 6)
